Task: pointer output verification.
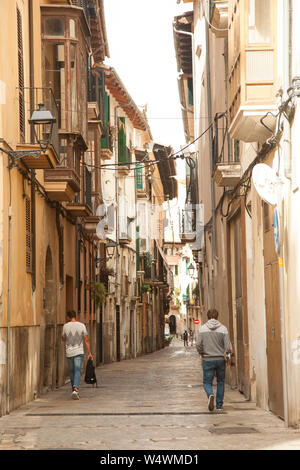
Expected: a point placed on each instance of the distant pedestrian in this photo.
(212, 344)
(185, 338)
(74, 335)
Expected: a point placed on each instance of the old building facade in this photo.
(56, 194)
(243, 59)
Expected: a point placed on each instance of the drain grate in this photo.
(233, 430)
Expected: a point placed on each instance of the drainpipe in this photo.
(285, 170)
(209, 112)
(8, 302)
(117, 202)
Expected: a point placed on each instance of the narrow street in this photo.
(154, 402)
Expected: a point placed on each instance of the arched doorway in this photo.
(172, 324)
(48, 329)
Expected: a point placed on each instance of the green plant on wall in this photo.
(146, 287)
(99, 293)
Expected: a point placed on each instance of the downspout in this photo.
(209, 112)
(8, 300)
(285, 170)
(117, 202)
(32, 172)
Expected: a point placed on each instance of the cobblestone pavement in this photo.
(154, 402)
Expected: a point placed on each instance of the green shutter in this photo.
(122, 157)
(105, 139)
(139, 176)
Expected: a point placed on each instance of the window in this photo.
(74, 101)
(259, 21)
(72, 29)
(54, 27)
(55, 76)
(190, 91)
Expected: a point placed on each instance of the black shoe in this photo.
(211, 403)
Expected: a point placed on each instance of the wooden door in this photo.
(273, 326)
(240, 357)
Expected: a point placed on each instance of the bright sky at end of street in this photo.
(141, 45)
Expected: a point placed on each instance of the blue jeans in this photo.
(75, 364)
(210, 369)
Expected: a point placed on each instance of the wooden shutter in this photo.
(122, 141)
(28, 236)
(20, 77)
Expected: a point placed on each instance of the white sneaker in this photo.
(75, 395)
(211, 403)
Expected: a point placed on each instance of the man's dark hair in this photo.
(71, 314)
(212, 313)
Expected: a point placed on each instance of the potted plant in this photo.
(99, 293)
(146, 287)
(168, 340)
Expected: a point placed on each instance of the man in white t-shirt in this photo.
(74, 335)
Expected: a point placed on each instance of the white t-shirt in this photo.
(74, 332)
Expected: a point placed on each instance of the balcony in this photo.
(252, 70)
(219, 18)
(78, 209)
(90, 224)
(83, 207)
(124, 238)
(28, 100)
(61, 184)
(187, 228)
(226, 172)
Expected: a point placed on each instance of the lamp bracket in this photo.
(16, 155)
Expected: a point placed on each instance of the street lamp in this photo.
(42, 122)
(110, 251)
(191, 270)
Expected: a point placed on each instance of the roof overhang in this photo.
(183, 42)
(99, 41)
(121, 95)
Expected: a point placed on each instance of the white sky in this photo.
(141, 45)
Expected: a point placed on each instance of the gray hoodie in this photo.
(213, 340)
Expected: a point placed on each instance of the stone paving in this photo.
(154, 402)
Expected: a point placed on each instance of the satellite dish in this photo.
(266, 182)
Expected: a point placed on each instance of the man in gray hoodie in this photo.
(212, 344)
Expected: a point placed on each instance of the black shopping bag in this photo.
(90, 376)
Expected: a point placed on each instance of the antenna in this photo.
(266, 183)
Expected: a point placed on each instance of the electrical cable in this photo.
(208, 22)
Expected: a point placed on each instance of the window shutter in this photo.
(139, 176)
(20, 77)
(122, 141)
(28, 236)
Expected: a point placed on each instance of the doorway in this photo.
(238, 299)
(273, 326)
(48, 341)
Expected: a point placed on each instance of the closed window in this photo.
(260, 21)
(54, 27)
